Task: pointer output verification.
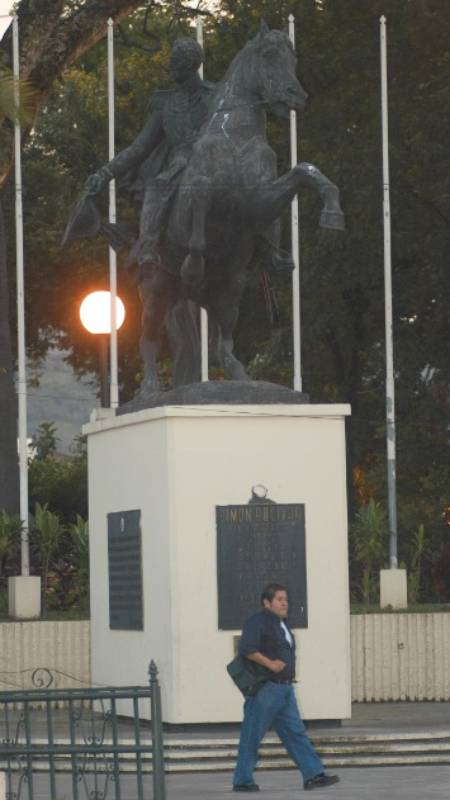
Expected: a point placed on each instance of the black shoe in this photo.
(279, 262)
(321, 781)
(246, 787)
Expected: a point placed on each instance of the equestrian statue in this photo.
(206, 181)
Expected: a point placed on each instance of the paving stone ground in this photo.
(358, 783)
(368, 783)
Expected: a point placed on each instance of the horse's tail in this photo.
(182, 328)
(273, 311)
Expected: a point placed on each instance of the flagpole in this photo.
(295, 243)
(390, 387)
(21, 350)
(203, 312)
(114, 382)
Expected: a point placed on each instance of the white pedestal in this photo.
(393, 588)
(24, 597)
(176, 464)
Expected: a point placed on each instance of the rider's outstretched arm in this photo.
(150, 136)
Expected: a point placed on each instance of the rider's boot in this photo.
(281, 262)
(275, 260)
(148, 250)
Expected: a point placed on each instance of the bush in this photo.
(10, 531)
(368, 537)
(62, 554)
(61, 483)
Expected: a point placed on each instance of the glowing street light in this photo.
(95, 312)
(95, 315)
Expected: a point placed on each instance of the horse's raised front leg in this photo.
(193, 267)
(270, 199)
(331, 215)
(157, 292)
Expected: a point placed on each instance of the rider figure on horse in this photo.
(153, 164)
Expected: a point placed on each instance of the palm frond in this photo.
(27, 99)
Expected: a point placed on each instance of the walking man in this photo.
(267, 640)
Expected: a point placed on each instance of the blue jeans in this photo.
(274, 706)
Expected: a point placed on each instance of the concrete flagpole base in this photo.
(24, 597)
(393, 588)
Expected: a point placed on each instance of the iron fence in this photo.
(95, 746)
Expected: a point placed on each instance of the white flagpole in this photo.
(114, 385)
(295, 239)
(390, 388)
(21, 351)
(203, 313)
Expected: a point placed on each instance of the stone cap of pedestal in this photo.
(104, 422)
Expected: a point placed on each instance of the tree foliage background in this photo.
(342, 287)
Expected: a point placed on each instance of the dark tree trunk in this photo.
(9, 468)
(51, 38)
(49, 41)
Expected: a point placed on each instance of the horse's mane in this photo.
(246, 61)
(250, 49)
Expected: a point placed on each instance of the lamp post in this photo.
(95, 315)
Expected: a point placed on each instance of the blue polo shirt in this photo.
(263, 633)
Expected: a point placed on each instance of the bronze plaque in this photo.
(125, 571)
(258, 544)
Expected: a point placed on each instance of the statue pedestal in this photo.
(156, 477)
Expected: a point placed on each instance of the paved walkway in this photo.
(398, 717)
(370, 783)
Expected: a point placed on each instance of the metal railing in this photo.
(96, 747)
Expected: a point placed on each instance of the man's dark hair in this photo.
(269, 591)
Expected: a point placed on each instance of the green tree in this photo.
(9, 469)
(45, 440)
(10, 530)
(9, 472)
(53, 35)
(61, 482)
(369, 534)
(79, 533)
(48, 531)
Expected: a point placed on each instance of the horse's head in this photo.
(277, 81)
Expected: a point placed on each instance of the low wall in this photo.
(394, 656)
(400, 657)
(41, 654)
